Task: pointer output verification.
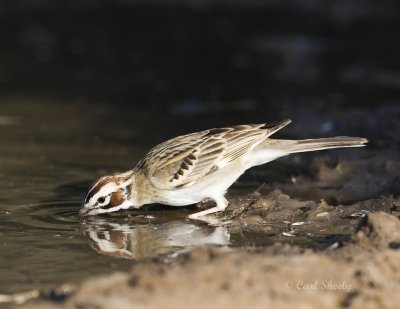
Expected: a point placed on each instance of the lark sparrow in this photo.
(199, 166)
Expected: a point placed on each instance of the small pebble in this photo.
(286, 234)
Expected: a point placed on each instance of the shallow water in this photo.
(45, 243)
(46, 169)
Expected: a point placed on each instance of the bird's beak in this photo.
(86, 210)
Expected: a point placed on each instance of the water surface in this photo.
(46, 165)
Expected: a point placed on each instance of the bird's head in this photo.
(108, 194)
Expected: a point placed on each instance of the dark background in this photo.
(332, 66)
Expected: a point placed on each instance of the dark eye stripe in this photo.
(91, 193)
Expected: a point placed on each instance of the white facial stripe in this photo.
(94, 186)
(124, 205)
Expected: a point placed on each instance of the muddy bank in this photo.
(365, 272)
(324, 248)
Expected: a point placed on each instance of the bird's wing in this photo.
(182, 161)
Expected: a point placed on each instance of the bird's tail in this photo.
(291, 146)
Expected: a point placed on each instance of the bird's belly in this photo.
(178, 198)
(212, 186)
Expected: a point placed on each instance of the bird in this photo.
(200, 166)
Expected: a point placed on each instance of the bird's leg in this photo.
(221, 202)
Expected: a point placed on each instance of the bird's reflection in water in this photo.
(145, 236)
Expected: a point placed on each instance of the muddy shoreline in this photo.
(363, 272)
(315, 253)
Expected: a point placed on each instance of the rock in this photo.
(379, 230)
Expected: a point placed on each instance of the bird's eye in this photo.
(103, 201)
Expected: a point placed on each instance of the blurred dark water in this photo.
(189, 58)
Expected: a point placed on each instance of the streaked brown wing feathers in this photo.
(189, 166)
(184, 160)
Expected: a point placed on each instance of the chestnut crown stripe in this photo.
(97, 187)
